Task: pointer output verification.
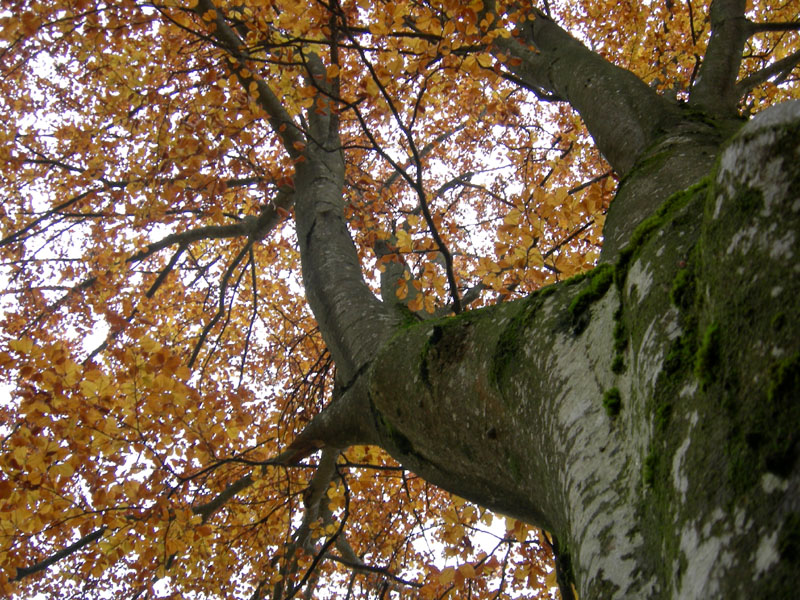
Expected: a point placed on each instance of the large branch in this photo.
(279, 118)
(252, 226)
(353, 322)
(622, 114)
(779, 68)
(715, 90)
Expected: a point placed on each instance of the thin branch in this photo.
(253, 315)
(12, 237)
(415, 183)
(779, 67)
(359, 566)
(762, 27)
(223, 287)
(212, 506)
(162, 276)
(282, 124)
(54, 558)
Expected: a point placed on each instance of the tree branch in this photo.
(621, 112)
(715, 87)
(213, 505)
(254, 227)
(54, 558)
(779, 67)
(282, 123)
(754, 28)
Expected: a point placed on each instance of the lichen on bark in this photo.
(700, 452)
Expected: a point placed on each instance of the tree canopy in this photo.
(159, 355)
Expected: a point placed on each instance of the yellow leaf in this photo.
(20, 453)
(467, 570)
(404, 243)
(371, 87)
(513, 217)
(485, 60)
(205, 530)
(417, 303)
(5, 489)
(402, 289)
(23, 346)
(447, 575)
(559, 196)
(550, 580)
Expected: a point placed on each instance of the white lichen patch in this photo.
(707, 564)
(673, 328)
(679, 479)
(744, 238)
(718, 206)
(688, 391)
(550, 306)
(639, 278)
(650, 356)
(783, 247)
(766, 554)
(712, 551)
(772, 483)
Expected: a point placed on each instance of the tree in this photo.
(179, 423)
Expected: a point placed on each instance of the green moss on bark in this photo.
(707, 358)
(682, 292)
(513, 335)
(600, 280)
(612, 401)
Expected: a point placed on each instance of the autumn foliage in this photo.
(156, 349)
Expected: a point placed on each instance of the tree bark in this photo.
(623, 115)
(715, 89)
(644, 413)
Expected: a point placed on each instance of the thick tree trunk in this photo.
(647, 413)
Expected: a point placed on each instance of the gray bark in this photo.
(691, 489)
(646, 413)
(715, 90)
(623, 115)
(504, 406)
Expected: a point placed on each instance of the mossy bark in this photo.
(647, 414)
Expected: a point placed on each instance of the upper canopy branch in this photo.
(715, 90)
(623, 114)
(280, 120)
(254, 227)
(770, 26)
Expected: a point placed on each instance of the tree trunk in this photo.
(646, 413)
